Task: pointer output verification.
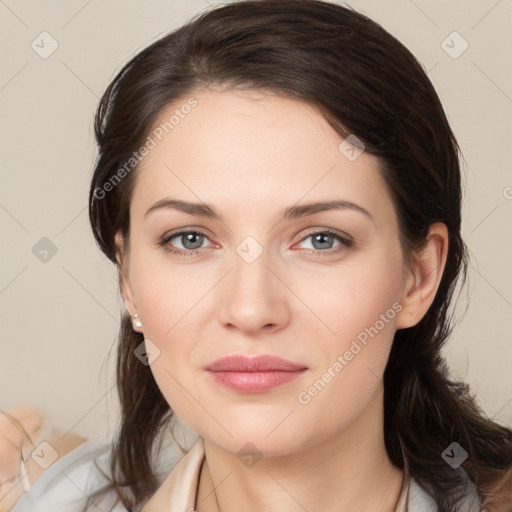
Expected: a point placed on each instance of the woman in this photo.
(312, 373)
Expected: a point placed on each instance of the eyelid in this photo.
(186, 229)
(330, 231)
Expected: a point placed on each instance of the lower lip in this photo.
(255, 382)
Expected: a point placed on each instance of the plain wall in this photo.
(60, 317)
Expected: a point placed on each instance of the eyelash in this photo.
(165, 242)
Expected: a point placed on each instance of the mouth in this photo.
(254, 375)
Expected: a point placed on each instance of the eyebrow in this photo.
(290, 213)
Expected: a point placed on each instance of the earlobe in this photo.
(423, 279)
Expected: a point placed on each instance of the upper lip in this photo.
(265, 363)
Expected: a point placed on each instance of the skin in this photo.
(250, 155)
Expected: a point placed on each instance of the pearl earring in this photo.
(136, 323)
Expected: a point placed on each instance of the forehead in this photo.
(252, 150)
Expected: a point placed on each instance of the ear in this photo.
(422, 281)
(124, 280)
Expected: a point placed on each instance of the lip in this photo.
(255, 374)
(263, 363)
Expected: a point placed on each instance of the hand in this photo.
(13, 422)
(20, 427)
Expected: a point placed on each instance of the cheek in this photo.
(163, 295)
(343, 302)
(358, 308)
(350, 364)
(169, 304)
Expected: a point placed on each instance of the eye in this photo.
(191, 240)
(322, 241)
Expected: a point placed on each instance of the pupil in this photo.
(322, 235)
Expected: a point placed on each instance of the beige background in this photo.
(59, 318)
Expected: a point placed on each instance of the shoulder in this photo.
(420, 501)
(66, 485)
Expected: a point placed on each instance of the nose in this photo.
(253, 296)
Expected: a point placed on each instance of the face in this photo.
(318, 288)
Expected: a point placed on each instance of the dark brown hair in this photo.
(364, 82)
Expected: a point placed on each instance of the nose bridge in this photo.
(251, 265)
(252, 298)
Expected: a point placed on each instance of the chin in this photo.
(247, 438)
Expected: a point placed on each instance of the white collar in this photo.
(179, 490)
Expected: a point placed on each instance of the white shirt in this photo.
(65, 485)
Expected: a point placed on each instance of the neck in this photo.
(348, 471)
